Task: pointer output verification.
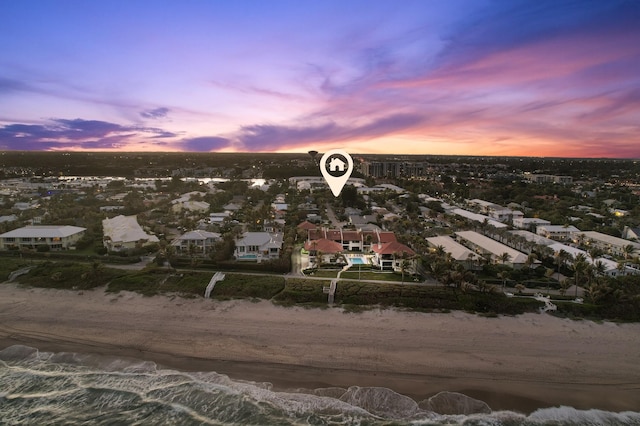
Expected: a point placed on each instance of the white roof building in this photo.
(187, 196)
(258, 246)
(124, 233)
(557, 232)
(54, 236)
(530, 236)
(528, 222)
(202, 241)
(458, 252)
(609, 243)
(493, 247)
(611, 267)
(192, 206)
(478, 217)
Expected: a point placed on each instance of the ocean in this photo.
(44, 388)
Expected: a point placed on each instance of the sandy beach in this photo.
(517, 363)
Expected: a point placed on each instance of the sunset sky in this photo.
(472, 77)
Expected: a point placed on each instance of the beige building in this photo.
(55, 236)
(125, 233)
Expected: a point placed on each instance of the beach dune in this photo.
(517, 363)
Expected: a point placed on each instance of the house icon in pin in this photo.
(337, 165)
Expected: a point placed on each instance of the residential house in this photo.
(630, 233)
(392, 255)
(218, 217)
(258, 246)
(191, 206)
(557, 232)
(232, 207)
(56, 237)
(529, 223)
(273, 225)
(198, 241)
(306, 225)
(352, 240)
(22, 206)
(125, 233)
(326, 249)
(8, 218)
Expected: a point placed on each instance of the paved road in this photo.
(332, 217)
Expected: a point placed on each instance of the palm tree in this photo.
(404, 263)
(531, 260)
(580, 268)
(438, 269)
(560, 260)
(599, 267)
(319, 255)
(628, 250)
(504, 257)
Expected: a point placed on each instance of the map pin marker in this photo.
(336, 167)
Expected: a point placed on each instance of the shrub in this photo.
(300, 291)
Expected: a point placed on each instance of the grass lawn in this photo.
(69, 275)
(352, 274)
(193, 284)
(322, 274)
(365, 275)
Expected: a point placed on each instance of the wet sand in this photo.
(516, 363)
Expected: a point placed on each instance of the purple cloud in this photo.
(9, 85)
(268, 137)
(155, 113)
(76, 133)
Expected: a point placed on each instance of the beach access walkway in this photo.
(218, 276)
(331, 290)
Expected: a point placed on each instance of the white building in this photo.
(610, 244)
(611, 268)
(504, 214)
(458, 252)
(55, 236)
(529, 222)
(202, 241)
(258, 246)
(477, 217)
(630, 233)
(125, 233)
(557, 232)
(394, 256)
(493, 248)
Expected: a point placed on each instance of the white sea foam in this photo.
(41, 387)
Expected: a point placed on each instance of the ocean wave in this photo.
(71, 388)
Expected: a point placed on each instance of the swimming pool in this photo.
(357, 261)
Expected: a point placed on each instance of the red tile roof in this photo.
(323, 245)
(391, 248)
(307, 225)
(351, 236)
